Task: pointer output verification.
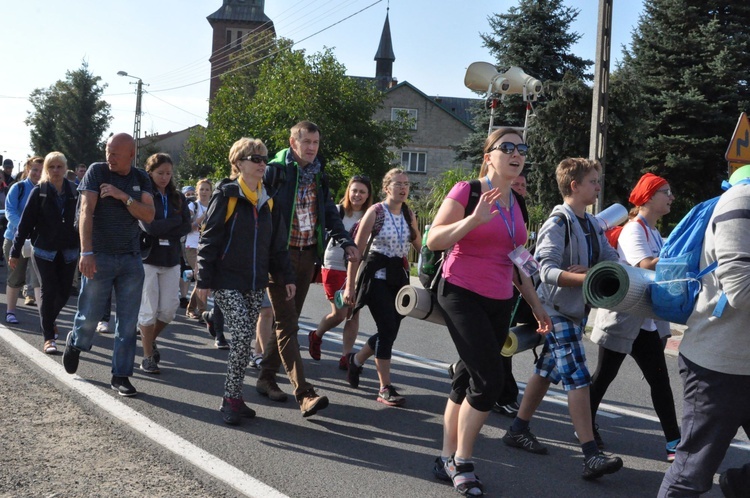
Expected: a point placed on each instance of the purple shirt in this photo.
(479, 262)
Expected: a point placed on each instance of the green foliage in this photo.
(428, 206)
(71, 117)
(265, 100)
(691, 60)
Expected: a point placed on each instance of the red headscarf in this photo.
(645, 189)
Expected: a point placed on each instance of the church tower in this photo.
(384, 58)
(231, 24)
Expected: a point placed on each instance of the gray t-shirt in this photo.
(115, 230)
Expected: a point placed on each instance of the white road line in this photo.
(221, 470)
(553, 396)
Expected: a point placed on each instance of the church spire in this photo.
(384, 57)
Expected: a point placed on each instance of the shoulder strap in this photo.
(522, 204)
(379, 219)
(566, 224)
(21, 189)
(342, 212)
(474, 194)
(645, 228)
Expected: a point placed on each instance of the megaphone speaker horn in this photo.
(519, 81)
(480, 75)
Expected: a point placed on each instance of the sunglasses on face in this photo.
(509, 147)
(256, 158)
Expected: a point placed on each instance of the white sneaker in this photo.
(103, 327)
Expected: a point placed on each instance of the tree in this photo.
(287, 87)
(71, 117)
(691, 60)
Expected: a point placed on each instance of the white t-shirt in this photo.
(196, 211)
(333, 258)
(634, 246)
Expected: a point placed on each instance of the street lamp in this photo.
(137, 125)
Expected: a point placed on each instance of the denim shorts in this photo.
(563, 357)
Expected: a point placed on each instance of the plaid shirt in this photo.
(306, 201)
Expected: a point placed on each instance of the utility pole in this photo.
(598, 141)
(137, 125)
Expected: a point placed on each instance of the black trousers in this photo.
(56, 281)
(648, 353)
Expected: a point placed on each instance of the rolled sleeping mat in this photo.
(618, 287)
(419, 303)
(521, 338)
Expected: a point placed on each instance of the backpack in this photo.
(613, 234)
(678, 274)
(431, 262)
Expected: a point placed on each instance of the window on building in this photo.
(414, 162)
(229, 38)
(408, 116)
(238, 41)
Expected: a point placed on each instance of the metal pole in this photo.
(598, 141)
(137, 125)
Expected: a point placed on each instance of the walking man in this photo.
(114, 198)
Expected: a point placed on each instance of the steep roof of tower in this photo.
(385, 49)
(241, 11)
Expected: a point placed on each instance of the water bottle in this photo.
(187, 275)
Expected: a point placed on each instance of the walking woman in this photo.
(621, 334)
(244, 240)
(393, 228)
(48, 221)
(161, 282)
(476, 294)
(356, 201)
(198, 210)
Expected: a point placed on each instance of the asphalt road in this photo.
(358, 447)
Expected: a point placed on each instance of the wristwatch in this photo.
(129, 202)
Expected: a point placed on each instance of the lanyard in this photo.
(399, 228)
(512, 226)
(164, 203)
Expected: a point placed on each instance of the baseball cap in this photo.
(8, 163)
(187, 189)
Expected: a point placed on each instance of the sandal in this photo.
(464, 480)
(10, 317)
(50, 347)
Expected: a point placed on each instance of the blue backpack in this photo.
(678, 274)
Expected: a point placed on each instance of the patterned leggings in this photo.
(241, 312)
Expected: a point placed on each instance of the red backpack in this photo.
(613, 234)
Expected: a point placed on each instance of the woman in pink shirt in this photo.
(476, 295)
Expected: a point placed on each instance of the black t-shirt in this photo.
(115, 230)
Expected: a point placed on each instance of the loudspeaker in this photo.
(482, 76)
(520, 81)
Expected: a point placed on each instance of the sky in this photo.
(167, 43)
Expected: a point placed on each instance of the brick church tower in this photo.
(231, 24)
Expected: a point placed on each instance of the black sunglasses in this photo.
(256, 158)
(509, 147)
(360, 178)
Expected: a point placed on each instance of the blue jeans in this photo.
(124, 273)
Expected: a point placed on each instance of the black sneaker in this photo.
(509, 410)
(184, 302)
(123, 386)
(600, 464)
(209, 323)
(353, 373)
(71, 355)
(730, 487)
(221, 344)
(524, 440)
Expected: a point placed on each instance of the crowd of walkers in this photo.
(255, 242)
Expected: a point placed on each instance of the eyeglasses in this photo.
(400, 184)
(509, 147)
(256, 158)
(667, 191)
(361, 178)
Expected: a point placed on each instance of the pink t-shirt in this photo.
(479, 262)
